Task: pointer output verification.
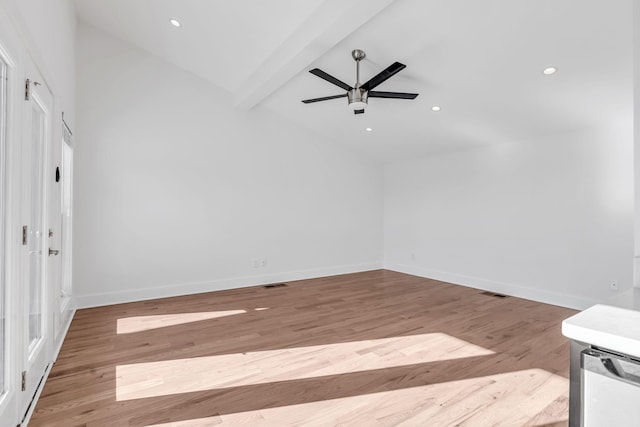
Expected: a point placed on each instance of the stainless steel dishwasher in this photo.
(610, 389)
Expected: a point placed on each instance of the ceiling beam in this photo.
(329, 24)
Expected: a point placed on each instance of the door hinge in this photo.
(24, 380)
(27, 87)
(25, 234)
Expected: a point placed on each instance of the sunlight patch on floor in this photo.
(162, 378)
(523, 398)
(128, 325)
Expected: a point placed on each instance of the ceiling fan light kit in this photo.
(358, 96)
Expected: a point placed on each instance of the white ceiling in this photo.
(480, 60)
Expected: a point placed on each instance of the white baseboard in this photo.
(109, 298)
(547, 297)
(63, 332)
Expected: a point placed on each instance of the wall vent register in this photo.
(275, 285)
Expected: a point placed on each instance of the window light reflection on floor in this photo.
(128, 325)
(532, 397)
(142, 380)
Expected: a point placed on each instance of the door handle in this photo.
(611, 365)
(53, 252)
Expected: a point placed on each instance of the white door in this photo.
(6, 395)
(37, 119)
(66, 231)
(11, 79)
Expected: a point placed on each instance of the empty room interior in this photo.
(319, 213)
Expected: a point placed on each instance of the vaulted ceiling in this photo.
(481, 61)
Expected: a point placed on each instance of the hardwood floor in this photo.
(374, 348)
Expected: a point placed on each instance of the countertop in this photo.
(614, 326)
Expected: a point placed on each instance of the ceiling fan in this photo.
(359, 95)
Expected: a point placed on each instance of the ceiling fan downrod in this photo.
(357, 98)
(358, 55)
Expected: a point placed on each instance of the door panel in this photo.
(67, 218)
(63, 218)
(36, 224)
(37, 132)
(3, 215)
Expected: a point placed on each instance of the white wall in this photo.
(548, 219)
(178, 192)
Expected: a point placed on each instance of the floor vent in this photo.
(493, 294)
(275, 285)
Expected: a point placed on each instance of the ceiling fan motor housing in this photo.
(358, 98)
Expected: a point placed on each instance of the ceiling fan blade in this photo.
(383, 75)
(398, 95)
(326, 98)
(358, 111)
(328, 77)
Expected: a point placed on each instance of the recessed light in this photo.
(549, 70)
(435, 108)
(368, 129)
(174, 22)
